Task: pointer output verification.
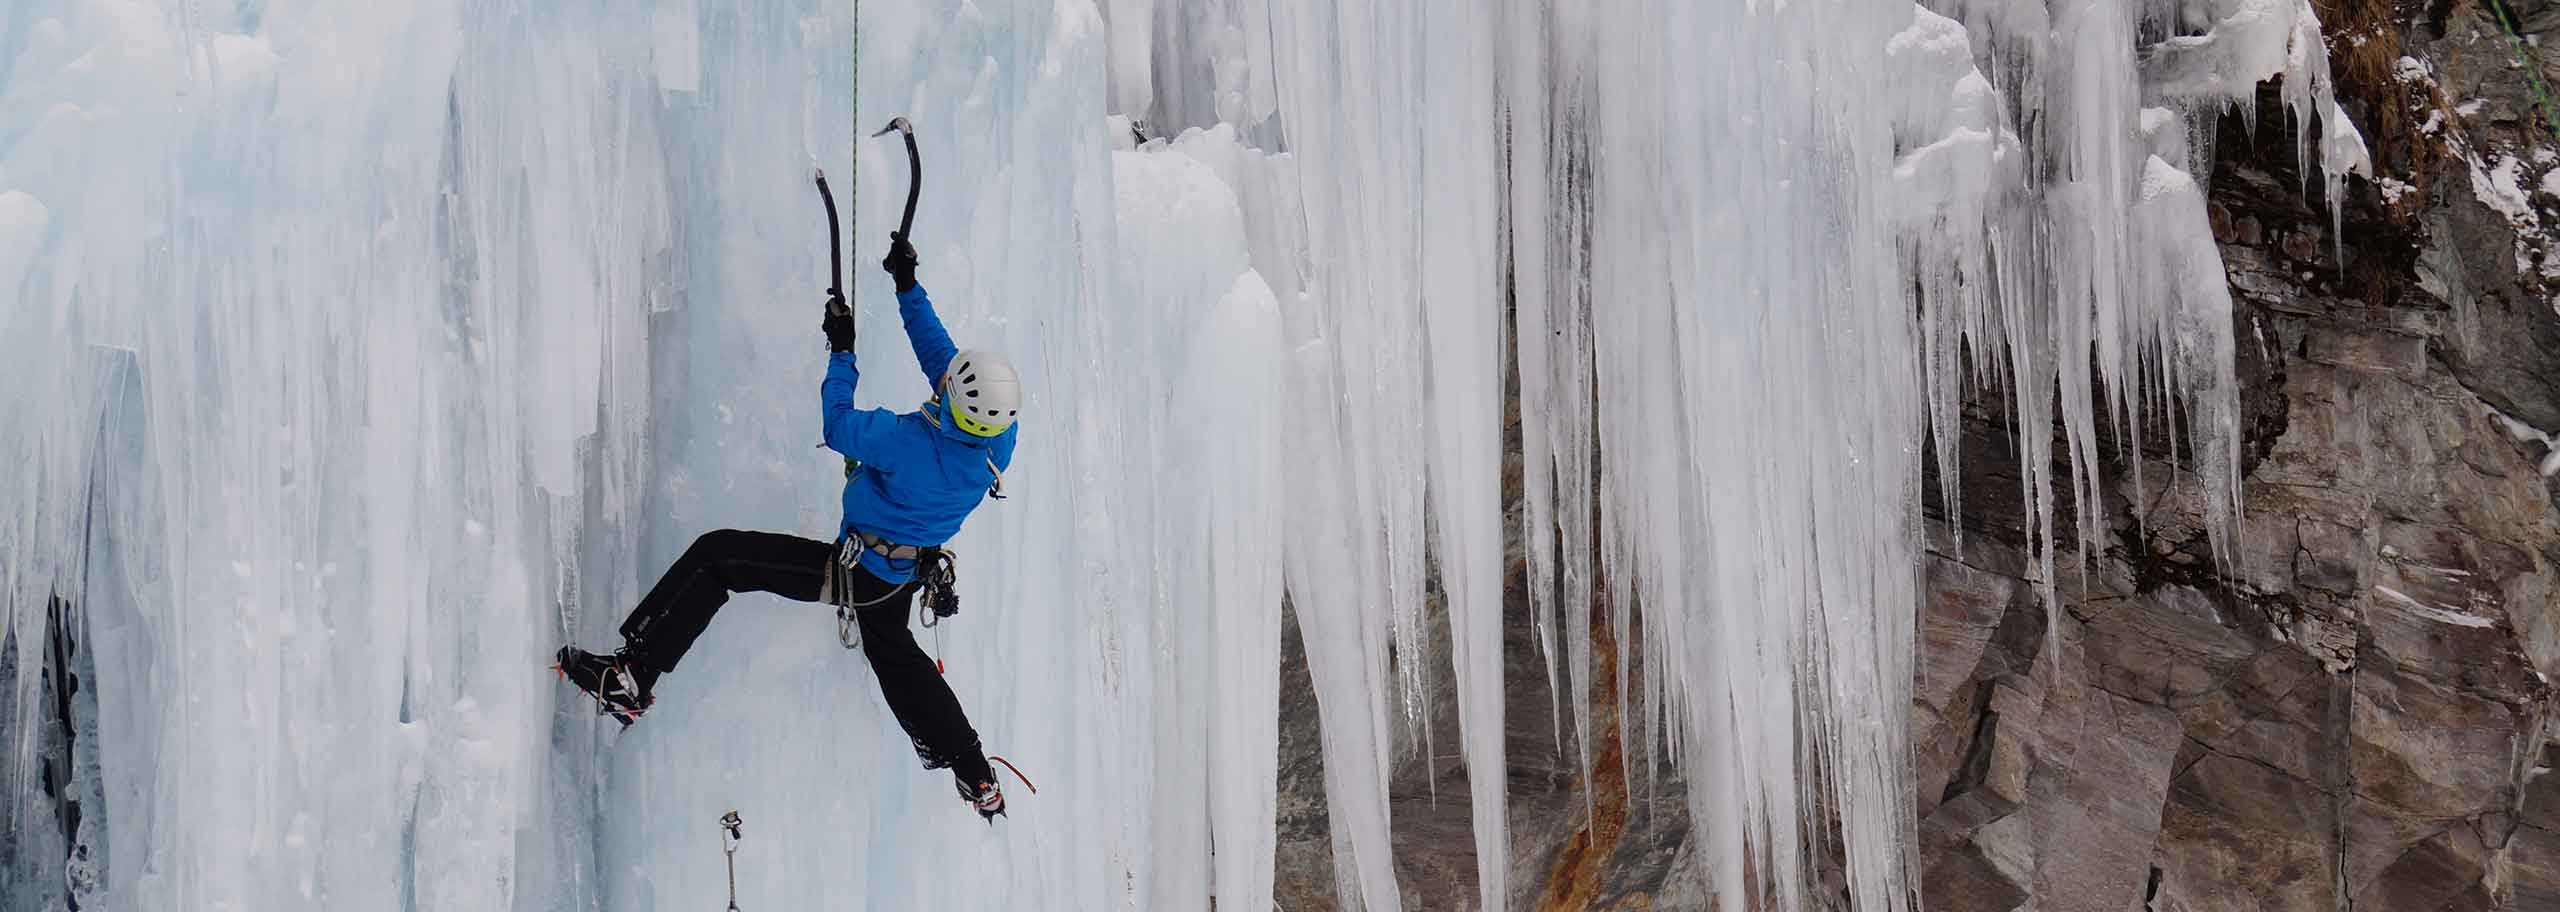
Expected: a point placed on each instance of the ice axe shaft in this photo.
(915, 173)
(835, 246)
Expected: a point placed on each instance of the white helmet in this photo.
(983, 391)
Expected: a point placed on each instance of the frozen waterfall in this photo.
(359, 353)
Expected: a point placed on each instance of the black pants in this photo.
(680, 607)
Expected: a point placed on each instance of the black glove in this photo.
(838, 325)
(901, 261)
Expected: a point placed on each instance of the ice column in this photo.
(1749, 247)
(315, 372)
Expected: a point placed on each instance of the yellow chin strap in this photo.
(974, 426)
(933, 412)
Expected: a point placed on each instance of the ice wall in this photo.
(359, 354)
(385, 348)
(311, 377)
(1757, 253)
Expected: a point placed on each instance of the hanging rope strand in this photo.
(729, 826)
(1017, 773)
(853, 193)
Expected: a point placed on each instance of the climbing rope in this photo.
(2532, 70)
(1017, 773)
(853, 195)
(729, 824)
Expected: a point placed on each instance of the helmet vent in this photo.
(972, 378)
(973, 394)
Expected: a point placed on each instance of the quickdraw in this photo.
(937, 586)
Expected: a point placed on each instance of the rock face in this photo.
(2355, 712)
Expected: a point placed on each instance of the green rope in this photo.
(853, 191)
(2533, 71)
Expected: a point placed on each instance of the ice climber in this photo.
(912, 478)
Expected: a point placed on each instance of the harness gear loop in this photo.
(729, 824)
(837, 588)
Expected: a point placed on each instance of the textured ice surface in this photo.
(357, 354)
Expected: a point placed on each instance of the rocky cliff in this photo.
(2354, 711)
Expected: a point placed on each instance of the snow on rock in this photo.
(2342, 149)
(2500, 181)
(2521, 431)
(2394, 190)
(2438, 614)
(2249, 42)
(1950, 119)
(2413, 71)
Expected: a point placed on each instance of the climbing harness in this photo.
(729, 835)
(837, 589)
(885, 548)
(937, 578)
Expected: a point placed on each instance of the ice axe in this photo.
(835, 250)
(906, 220)
(915, 174)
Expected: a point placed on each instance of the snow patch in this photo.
(2435, 613)
(2521, 431)
(2342, 150)
(2394, 189)
(2498, 182)
(2413, 71)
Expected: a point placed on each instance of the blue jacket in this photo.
(917, 480)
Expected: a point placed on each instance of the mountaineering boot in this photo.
(620, 687)
(985, 797)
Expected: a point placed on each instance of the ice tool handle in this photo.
(915, 174)
(835, 250)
